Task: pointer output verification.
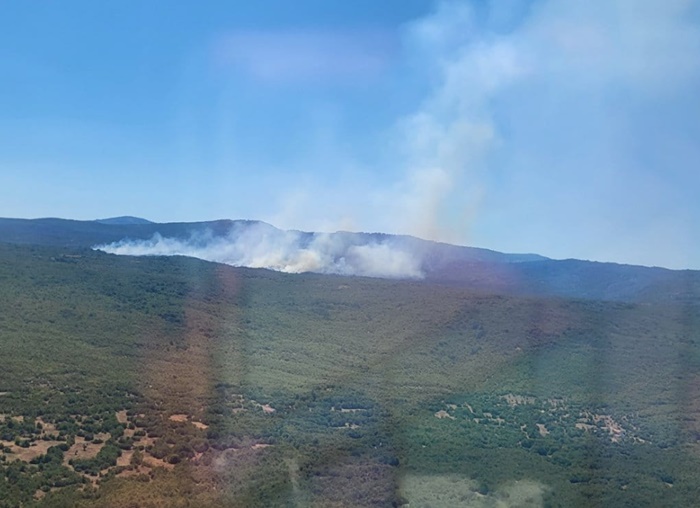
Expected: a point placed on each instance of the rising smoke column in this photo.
(263, 246)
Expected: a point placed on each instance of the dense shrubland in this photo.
(153, 381)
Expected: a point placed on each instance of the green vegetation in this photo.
(175, 382)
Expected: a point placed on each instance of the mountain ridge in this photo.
(124, 219)
(442, 263)
(86, 233)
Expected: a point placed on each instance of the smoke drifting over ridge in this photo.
(263, 246)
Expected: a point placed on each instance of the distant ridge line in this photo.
(124, 220)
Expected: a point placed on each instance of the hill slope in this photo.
(483, 269)
(173, 379)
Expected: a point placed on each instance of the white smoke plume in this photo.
(263, 246)
(546, 126)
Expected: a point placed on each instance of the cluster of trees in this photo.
(105, 458)
(12, 429)
(21, 480)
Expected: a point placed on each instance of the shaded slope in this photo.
(575, 279)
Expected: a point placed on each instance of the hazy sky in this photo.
(566, 128)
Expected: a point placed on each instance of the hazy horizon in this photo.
(178, 246)
(540, 126)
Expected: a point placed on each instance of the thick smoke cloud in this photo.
(563, 127)
(562, 123)
(263, 246)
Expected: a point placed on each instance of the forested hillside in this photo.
(157, 381)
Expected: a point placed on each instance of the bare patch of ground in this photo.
(36, 449)
(122, 416)
(518, 400)
(543, 430)
(181, 417)
(443, 414)
(267, 408)
(146, 465)
(83, 449)
(125, 458)
(6, 417)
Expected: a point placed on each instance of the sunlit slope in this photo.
(187, 380)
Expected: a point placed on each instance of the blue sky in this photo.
(566, 128)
